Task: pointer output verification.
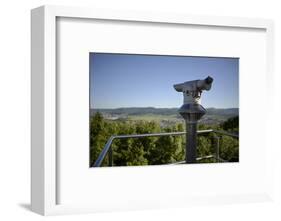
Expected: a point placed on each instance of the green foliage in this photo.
(167, 149)
(156, 150)
(229, 149)
(232, 124)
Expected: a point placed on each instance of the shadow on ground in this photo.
(25, 206)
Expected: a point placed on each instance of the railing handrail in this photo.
(107, 146)
(226, 133)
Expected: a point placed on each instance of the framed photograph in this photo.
(137, 110)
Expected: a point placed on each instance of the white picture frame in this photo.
(44, 155)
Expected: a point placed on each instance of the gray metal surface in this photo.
(191, 142)
(226, 133)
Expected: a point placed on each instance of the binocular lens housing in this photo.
(197, 85)
(209, 80)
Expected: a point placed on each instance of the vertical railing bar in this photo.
(217, 148)
(110, 157)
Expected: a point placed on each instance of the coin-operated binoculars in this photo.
(192, 111)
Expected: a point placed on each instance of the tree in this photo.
(98, 136)
(232, 124)
(229, 149)
(167, 149)
(122, 147)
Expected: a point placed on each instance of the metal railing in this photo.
(108, 150)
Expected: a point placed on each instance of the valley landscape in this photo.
(164, 116)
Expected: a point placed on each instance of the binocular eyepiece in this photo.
(209, 80)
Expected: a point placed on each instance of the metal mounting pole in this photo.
(191, 142)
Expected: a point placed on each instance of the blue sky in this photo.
(125, 80)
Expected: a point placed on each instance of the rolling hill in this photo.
(164, 115)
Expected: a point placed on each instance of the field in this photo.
(164, 116)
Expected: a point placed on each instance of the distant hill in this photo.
(223, 111)
(165, 116)
(131, 111)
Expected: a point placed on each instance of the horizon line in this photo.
(162, 107)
